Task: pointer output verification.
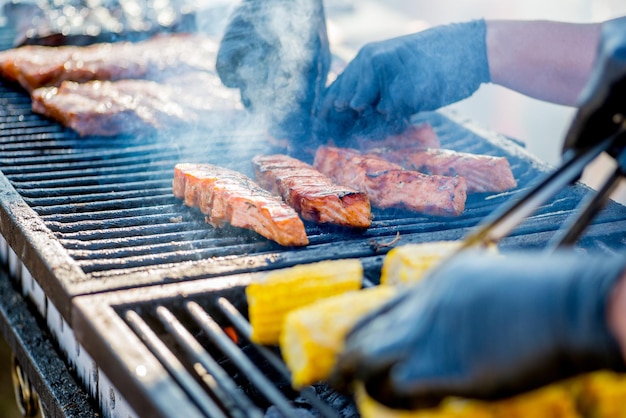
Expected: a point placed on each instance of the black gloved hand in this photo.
(486, 326)
(276, 52)
(602, 109)
(389, 81)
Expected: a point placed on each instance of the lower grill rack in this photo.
(185, 347)
(200, 344)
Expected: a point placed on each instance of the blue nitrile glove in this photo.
(487, 326)
(276, 52)
(388, 81)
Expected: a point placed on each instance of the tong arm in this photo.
(502, 221)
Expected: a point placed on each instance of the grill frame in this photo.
(58, 391)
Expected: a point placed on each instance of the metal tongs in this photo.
(598, 126)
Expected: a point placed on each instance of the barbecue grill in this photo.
(140, 302)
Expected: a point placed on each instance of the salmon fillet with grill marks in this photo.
(137, 106)
(483, 173)
(312, 194)
(161, 56)
(388, 185)
(229, 197)
(414, 137)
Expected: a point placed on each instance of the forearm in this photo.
(617, 313)
(550, 61)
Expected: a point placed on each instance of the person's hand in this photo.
(486, 326)
(276, 53)
(389, 81)
(601, 108)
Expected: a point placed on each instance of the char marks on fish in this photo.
(483, 173)
(228, 197)
(388, 185)
(312, 194)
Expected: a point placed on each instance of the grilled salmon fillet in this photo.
(161, 56)
(388, 185)
(312, 194)
(137, 106)
(229, 197)
(413, 137)
(483, 173)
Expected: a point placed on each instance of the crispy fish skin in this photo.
(229, 197)
(483, 173)
(312, 194)
(388, 185)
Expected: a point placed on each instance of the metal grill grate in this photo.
(222, 384)
(109, 200)
(222, 373)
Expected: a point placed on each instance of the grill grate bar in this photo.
(124, 231)
(28, 119)
(75, 167)
(113, 203)
(140, 242)
(243, 327)
(69, 179)
(226, 391)
(108, 264)
(173, 365)
(166, 252)
(39, 196)
(97, 157)
(62, 218)
(228, 347)
(183, 219)
(31, 130)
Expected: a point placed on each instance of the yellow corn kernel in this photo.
(450, 408)
(313, 336)
(601, 394)
(408, 263)
(553, 401)
(283, 290)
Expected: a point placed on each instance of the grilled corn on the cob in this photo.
(598, 394)
(601, 394)
(553, 401)
(281, 291)
(313, 336)
(408, 263)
